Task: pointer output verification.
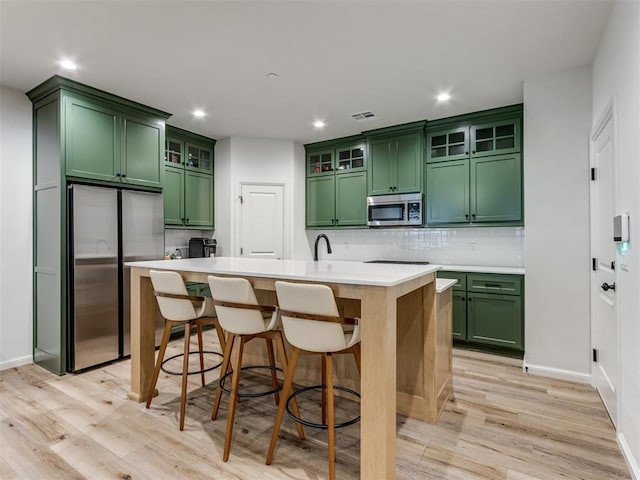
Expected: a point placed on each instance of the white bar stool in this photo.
(312, 325)
(242, 318)
(177, 308)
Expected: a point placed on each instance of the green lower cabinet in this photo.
(495, 320)
(459, 315)
(488, 311)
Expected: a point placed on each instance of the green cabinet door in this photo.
(448, 144)
(495, 319)
(143, 145)
(198, 200)
(380, 167)
(448, 192)
(351, 199)
(459, 315)
(321, 201)
(408, 163)
(496, 188)
(91, 140)
(320, 162)
(496, 137)
(173, 194)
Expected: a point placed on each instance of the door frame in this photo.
(607, 115)
(236, 221)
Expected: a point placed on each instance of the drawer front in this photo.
(460, 277)
(491, 283)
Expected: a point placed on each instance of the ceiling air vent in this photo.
(363, 116)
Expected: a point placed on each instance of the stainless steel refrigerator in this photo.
(107, 227)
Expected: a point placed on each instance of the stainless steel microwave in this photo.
(394, 210)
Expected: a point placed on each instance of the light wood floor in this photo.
(502, 424)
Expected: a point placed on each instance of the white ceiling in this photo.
(333, 58)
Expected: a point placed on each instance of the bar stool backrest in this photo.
(176, 309)
(241, 321)
(312, 335)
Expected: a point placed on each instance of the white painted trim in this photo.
(16, 362)
(633, 464)
(559, 373)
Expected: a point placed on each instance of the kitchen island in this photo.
(399, 326)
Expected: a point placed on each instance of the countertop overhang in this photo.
(355, 273)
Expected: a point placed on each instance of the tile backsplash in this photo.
(482, 246)
(179, 239)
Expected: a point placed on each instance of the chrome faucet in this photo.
(315, 246)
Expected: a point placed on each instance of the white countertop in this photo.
(443, 284)
(354, 273)
(483, 269)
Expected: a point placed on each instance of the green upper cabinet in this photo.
(320, 162)
(336, 194)
(188, 187)
(496, 188)
(395, 161)
(470, 141)
(502, 136)
(102, 142)
(447, 198)
(142, 150)
(448, 144)
(91, 140)
(474, 169)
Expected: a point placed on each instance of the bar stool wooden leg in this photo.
(282, 354)
(185, 372)
(163, 348)
(274, 374)
(224, 369)
(286, 390)
(220, 333)
(357, 356)
(331, 419)
(201, 355)
(233, 401)
(323, 400)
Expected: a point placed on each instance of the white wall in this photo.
(616, 77)
(557, 123)
(257, 160)
(15, 231)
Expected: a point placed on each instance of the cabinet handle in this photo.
(470, 298)
(473, 151)
(473, 216)
(124, 174)
(187, 220)
(466, 153)
(492, 285)
(117, 174)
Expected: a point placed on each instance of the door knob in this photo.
(605, 286)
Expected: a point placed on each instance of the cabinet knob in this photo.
(470, 298)
(117, 174)
(124, 174)
(473, 216)
(473, 151)
(466, 153)
(187, 220)
(466, 215)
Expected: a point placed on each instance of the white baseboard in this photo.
(634, 467)
(559, 373)
(16, 362)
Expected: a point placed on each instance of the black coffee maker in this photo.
(200, 247)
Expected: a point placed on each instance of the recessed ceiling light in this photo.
(272, 76)
(443, 97)
(68, 64)
(199, 113)
(319, 124)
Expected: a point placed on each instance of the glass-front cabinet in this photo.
(320, 163)
(188, 188)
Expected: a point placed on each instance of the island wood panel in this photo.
(378, 346)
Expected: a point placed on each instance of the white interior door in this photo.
(262, 221)
(603, 296)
